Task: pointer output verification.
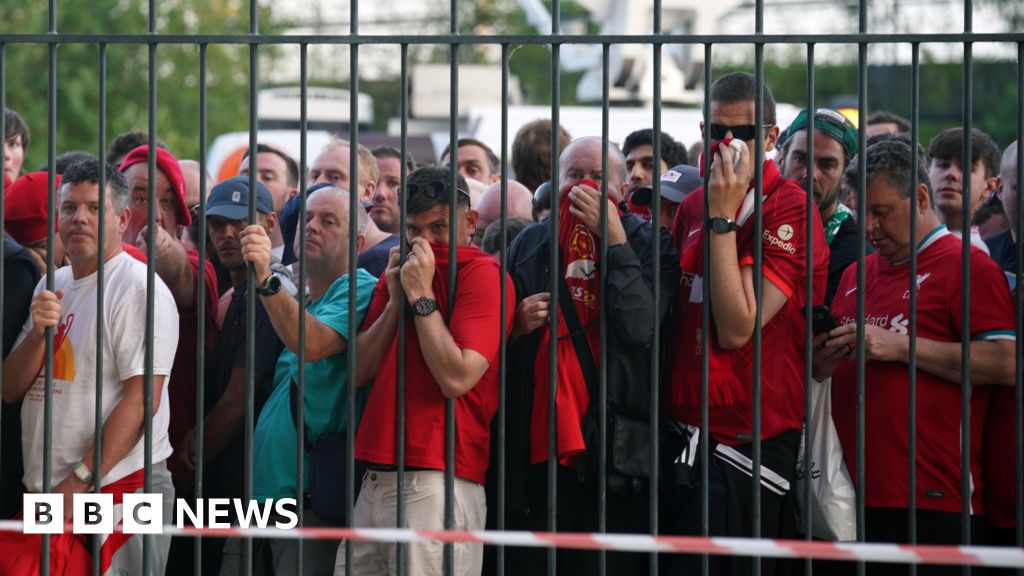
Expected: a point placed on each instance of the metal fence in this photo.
(454, 40)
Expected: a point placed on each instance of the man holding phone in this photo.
(734, 308)
(940, 331)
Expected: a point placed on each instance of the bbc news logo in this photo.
(144, 513)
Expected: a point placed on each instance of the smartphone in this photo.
(822, 320)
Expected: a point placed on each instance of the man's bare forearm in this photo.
(733, 313)
(455, 370)
(22, 366)
(374, 341)
(124, 426)
(321, 341)
(174, 270)
(991, 360)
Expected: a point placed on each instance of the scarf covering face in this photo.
(579, 250)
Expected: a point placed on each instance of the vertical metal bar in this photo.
(51, 221)
(1019, 297)
(862, 104)
(705, 511)
(912, 353)
(197, 558)
(602, 392)
(100, 290)
(147, 394)
(250, 284)
(400, 390)
(808, 519)
(553, 273)
(453, 176)
(300, 380)
(353, 205)
(503, 302)
(966, 485)
(655, 408)
(758, 273)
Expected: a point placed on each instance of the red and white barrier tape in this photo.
(851, 551)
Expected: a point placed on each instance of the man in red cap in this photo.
(25, 217)
(178, 267)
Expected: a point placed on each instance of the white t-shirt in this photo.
(976, 239)
(74, 368)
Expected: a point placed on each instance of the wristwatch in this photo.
(722, 225)
(424, 306)
(270, 286)
(83, 474)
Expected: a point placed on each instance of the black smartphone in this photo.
(822, 320)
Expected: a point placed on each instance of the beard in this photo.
(826, 201)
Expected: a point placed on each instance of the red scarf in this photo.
(579, 266)
(463, 255)
(69, 555)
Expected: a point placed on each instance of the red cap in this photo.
(168, 164)
(25, 207)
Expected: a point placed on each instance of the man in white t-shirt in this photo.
(71, 311)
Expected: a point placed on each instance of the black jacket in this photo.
(631, 326)
(20, 278)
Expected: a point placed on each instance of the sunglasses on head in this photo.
(435, 190)
(742, 132)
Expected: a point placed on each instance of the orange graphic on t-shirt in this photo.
(64, 355)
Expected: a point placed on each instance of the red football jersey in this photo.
(474, 325)
(730, 380)
(939, 318)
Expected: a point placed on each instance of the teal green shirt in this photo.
(325, 406)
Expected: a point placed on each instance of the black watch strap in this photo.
(722, 225)
(271, 286)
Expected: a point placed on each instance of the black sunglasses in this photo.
(742, 132)
(435, 190)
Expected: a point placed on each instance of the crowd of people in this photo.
(452, 338)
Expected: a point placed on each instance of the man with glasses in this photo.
(449, 354)
(626, 293)
(835, 144)
(734, 309)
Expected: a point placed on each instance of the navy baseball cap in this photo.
(230, 199)
(676, 183)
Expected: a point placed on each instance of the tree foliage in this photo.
(25, 70)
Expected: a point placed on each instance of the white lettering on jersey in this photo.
(899, 325)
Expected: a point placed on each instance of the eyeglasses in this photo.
(742, 132)
(435, 190)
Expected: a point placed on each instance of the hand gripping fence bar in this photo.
(754, 547)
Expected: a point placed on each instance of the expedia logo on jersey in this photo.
(780, 238)
(581, 272)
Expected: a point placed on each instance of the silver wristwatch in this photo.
(83, 473)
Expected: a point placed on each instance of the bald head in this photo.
(190, 170)
(520, 202)
(581, 160)
(1008, 184)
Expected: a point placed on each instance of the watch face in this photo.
(425, 306)
(720, 225)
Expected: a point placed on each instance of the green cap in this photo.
(830, 122)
